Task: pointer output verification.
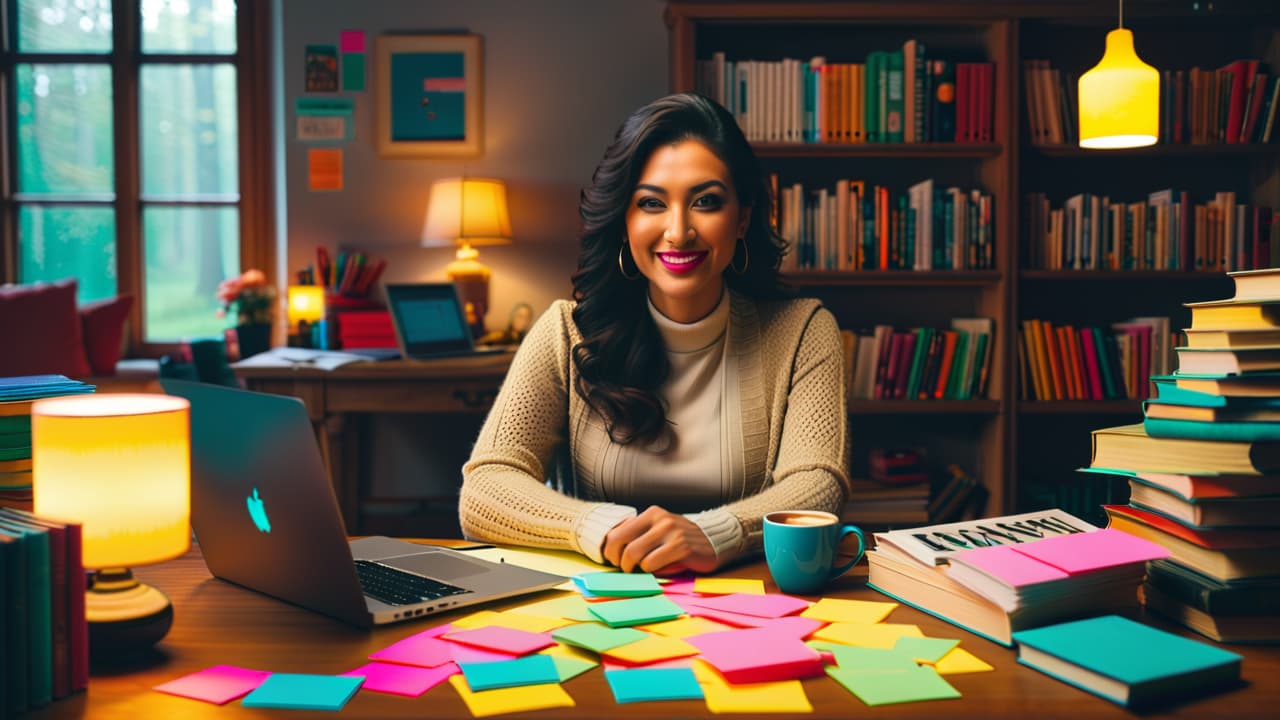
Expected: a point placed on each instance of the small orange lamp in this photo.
(120, 465)
(305, 308)
(467, 212)
(1119, 97)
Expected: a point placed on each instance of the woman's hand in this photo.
(657, 541)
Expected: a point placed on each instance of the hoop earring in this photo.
(622, 268)
(746, 251)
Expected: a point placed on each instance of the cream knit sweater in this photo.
(786, 357)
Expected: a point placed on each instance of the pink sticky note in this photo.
(794, 626)
(765, 606)
(688, 603)
(351, 41)
(1095, 550)
(1006, 563)
(757, 655)
(469, 654)
(405, 680)
(423, 650)
(680, 585)
(502, 639)
(219, 684)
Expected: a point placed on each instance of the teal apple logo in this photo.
(258, 512)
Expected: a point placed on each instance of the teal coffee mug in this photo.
(800, 547)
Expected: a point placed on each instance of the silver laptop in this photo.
(430, 321)
(265, 517)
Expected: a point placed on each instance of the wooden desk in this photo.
(219, 623)
(340, 401)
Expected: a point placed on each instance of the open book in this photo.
(934, 544)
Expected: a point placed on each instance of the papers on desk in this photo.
(292, 357)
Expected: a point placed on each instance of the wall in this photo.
(559, 77)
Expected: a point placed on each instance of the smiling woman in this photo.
(681, 379)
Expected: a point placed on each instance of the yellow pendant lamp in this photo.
(1119, 97)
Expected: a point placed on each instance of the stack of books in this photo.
(44, 636)
(1204, 469)
(16, 396)
(996, 576)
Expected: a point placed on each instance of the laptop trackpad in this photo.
(438, 565)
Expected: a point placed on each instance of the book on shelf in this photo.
(1126, 662)
(1255, 511)
(1214, 361)
(1235, 315)
(1231, 339)
(1224, 555)
(1245, 597)
(37, 608)
(1221, 430)
(1255, 629)
(1256, 385)
(871, 503)
(1129, 447)
(1200, 485)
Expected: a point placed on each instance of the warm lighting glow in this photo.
(121, 466)
(1119, 98)
(306, 302)
(470, 211)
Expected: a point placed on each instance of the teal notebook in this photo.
(39, 611)
(1226, 431)
(1126, 662)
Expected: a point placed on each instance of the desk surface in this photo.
(219, 623)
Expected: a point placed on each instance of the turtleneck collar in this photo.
(698, 335)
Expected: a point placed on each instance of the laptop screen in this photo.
(428, 319)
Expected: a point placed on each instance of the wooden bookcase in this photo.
(1025, 453)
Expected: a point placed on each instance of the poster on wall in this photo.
(428, 95)
(322, 68)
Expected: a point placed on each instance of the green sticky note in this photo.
(528, 670)
(596, 637)
(636, 611)
(927, 650)
(304, 692)
(887, 688)
(568, 668)
(613, 584)
(871, 659)
(353, 71)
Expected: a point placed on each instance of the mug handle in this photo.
(862, 546)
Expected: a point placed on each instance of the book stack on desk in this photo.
(16, 396)
(1203, 469)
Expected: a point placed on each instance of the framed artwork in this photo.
(429, 94)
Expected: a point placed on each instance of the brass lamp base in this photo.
(472, 278)
(124, 615)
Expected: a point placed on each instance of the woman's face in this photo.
(683, 223)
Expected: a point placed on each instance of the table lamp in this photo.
(467, 212)
(120, 465)
(305, 308)
(1119, 97)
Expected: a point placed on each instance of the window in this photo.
(134, 133)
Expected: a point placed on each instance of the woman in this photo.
(683, 382)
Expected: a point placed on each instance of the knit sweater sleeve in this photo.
(504, 496)
(811, 468)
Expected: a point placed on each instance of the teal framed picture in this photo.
(429, 92)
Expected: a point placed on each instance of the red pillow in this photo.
(40, 329)
(103, 322)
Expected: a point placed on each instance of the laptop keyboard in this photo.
(397, 587)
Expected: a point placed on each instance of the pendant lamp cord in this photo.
(1121, 13)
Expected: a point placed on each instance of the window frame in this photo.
(253, 97)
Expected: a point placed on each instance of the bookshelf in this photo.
(1023, 451)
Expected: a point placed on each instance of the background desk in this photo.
(219, 623)
(340, 401)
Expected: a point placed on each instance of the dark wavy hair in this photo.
(621, 360)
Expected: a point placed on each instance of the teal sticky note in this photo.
(871, 659)
(927, 650)
(303, 692)
(353, 71)
(528, 670)
(568, 668)
(613, 584)
(636, 611)
(596, 637)
(641, 685)
(888, 688)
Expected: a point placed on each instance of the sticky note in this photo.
(871, 659)
(684, 662)
(750, 656)
(351, 41)
(684, 627)
(680, 585)
(728, 618)
(502, 639)
(353, 72)
(922, 683)
(849, 611)
(303, 692)
(423, 649)
(651, 649)
(773, 698)
(765, 606)
(511, 700)
(569, 607)
(469, 653)
(728, 586)
(509, 619)
(324, 169)
(879, 635)
(406, 680)
(616, 584)
(641, 685)
(596, 637)
(531, 670)
(794, 626)
(925, 650)
(636, 611)
(960, 661)
(570, 651)
(219, 684)
(568, 668)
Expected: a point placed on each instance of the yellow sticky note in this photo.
(513, 620)
(786, 696)
(569, 651)
(510, 700)
(849, 611)
(728, 586)
(684, 627)
(652, 649)
(570, 607)
(959, 661)
(872, 635)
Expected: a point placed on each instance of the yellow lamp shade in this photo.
(306, 302)
(467, 211)
(1119, 98)
(120, 465)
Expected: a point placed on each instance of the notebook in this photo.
(430, 322)
(265, 517)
